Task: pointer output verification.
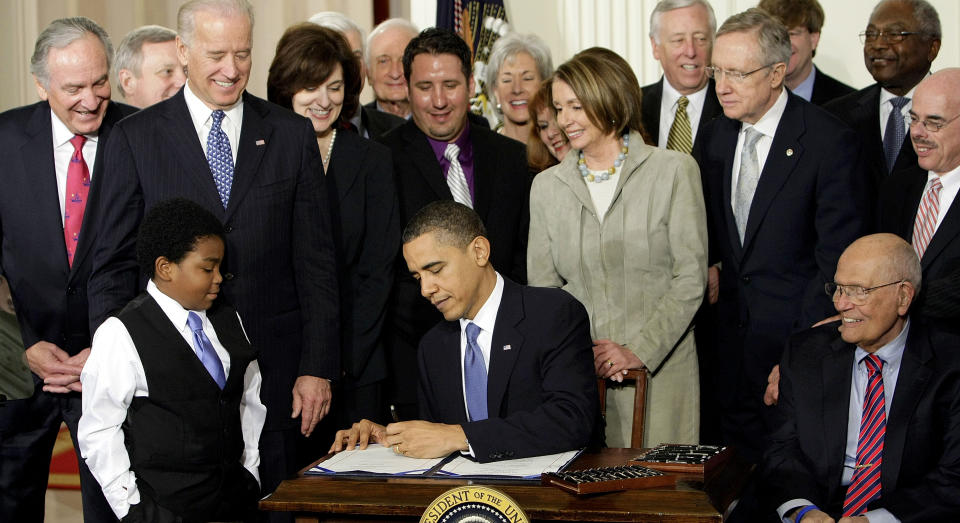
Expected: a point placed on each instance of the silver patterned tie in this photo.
(747, 180)
(456, 180)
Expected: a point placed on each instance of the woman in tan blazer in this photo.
(621, 225)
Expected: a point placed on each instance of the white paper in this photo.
(375, 459)
(513, 468)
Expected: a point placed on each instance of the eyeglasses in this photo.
(892, 37)
(932, 126)
(734, 76)
(855, 293)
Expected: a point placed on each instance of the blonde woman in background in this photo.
(517, 66)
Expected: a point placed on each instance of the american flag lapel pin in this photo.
(261, 142)
(507, 347)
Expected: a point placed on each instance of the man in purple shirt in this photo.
(440, 155)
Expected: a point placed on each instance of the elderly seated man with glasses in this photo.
(870, 413)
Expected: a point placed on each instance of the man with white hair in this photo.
(384, 57)
(146, 66)
(257, 168)
(370, 122)
(54, 172)
(681, 34)
(786, 190)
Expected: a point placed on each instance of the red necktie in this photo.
(926, 221)
(78, 186)
(865, 485)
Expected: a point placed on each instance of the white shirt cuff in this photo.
(784, 509)
(121, 493)
(881, 515)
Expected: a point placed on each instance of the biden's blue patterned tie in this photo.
(220, 158)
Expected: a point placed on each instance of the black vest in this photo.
(184, 440)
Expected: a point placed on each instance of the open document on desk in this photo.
(378, 460)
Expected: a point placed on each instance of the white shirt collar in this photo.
(671, 95)
(767, 124)
(950, 180)
(200, 113)
(486, 317)
(805, 88)
(172, 308)
(886, 96)
(61, 134)
(892, 352)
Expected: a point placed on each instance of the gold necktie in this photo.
(680, 137)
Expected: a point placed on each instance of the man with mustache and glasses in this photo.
(919, 203)
(900, 42)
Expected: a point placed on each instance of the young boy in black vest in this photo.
(171, 390)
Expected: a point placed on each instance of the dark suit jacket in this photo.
(541, 388)
(653, 95)
(861, 111)
(279, 269)
(50, 296)
(810, 203)
(502, 191)
(940, 289)
(377, 122)
(826, 88)
(363, 201)
(920, 477)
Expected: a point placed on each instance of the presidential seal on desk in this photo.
(470, 504)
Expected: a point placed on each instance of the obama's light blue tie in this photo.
(475, 376)
(205, 351)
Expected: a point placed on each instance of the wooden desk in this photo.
(326, 498)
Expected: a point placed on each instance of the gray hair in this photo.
(130, 51)
(509, 46)
(905, 264)
(61, 33)
(669, 5)
(925, 14)
(186, 16)
(383, 27)
(772, 35)
(339, 23)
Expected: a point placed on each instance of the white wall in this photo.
(566, 25)
(571, 25)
